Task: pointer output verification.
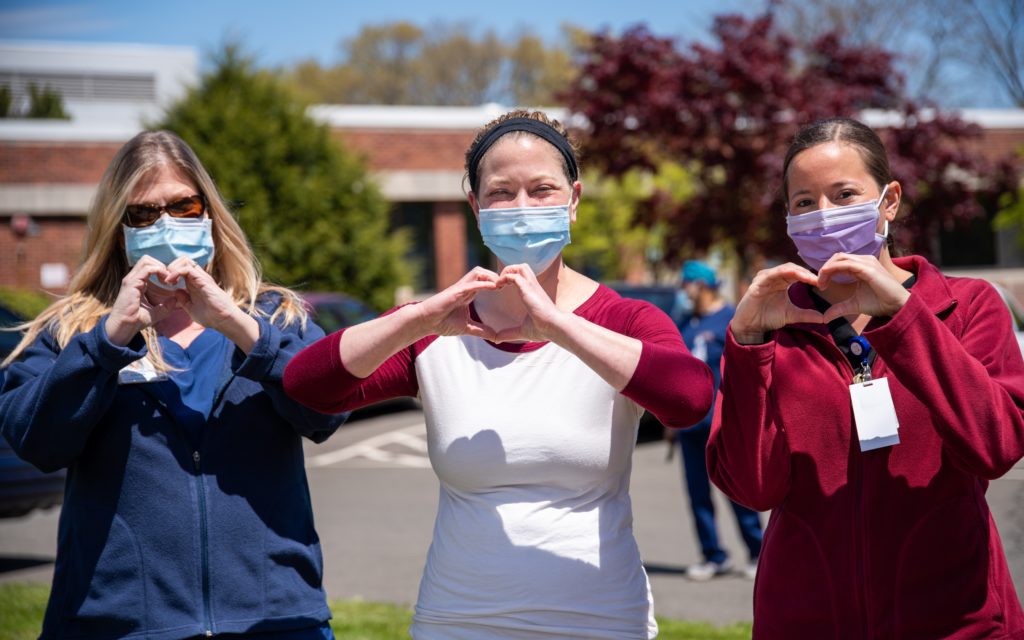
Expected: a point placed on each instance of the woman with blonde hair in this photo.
(157, 382)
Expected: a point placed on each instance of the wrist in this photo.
(747, 336)
(241, 329)
(118, 332)
(413, 322)
(559, 326)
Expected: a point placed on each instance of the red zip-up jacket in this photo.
(892, 543)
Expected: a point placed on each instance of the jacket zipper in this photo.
(204, 543)
(860, 543)
(204, 546)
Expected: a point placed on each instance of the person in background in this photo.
(533, 380)
(867, 401)
(704, 333)
(156, 380)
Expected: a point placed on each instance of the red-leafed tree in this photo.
(728, 111)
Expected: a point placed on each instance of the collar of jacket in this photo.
(931, 285)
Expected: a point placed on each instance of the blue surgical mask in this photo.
(530, 235)
(168, 239)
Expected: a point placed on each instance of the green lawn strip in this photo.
(22, 607)
(21, 610)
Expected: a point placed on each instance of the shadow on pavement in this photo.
(17, 563)
(664, 569)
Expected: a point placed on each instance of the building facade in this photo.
(49, 169)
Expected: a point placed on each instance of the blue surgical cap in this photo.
(697, 271)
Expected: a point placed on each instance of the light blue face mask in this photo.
(168, 239)
(530, 235)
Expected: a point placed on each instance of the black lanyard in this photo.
(854, 346)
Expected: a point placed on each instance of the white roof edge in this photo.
(985, 118)
(30, 130)
(413, 117)
(98, 47)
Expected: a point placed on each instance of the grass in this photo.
(22, 607)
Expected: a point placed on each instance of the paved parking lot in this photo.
(374, 496)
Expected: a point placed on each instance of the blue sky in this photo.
(280, 33)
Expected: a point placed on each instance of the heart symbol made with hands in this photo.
(450, 314)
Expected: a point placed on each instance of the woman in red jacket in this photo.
(867, 402)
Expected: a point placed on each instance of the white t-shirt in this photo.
(533, 536)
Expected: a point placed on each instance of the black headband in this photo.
(529, 125)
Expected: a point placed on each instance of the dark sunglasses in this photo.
(143, 215)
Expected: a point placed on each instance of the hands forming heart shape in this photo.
(766, 305)
(148, 296)
(448, 311)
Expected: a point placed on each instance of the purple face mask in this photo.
(820, 234)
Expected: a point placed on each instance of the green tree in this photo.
(401, 63)
(6, 99)
(314, 218)
(617, 235)
(45, 102)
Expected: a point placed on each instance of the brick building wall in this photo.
(63, 163)
(435, 156)
(30, 239)
(46, 241)
(408, 149)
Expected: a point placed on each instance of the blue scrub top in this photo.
(198, 372)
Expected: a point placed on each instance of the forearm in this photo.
(241, 329)
(611, 355)
(365, 347)
(747, 453)
(973, 384)
(53, 399)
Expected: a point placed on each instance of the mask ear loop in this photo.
(885, 227)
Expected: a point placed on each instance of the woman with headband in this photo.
(532, 380)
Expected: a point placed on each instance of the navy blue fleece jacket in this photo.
(158, 538)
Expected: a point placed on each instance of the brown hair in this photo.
(847, 131)
(565, 144)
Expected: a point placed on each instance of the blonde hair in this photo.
(96, 283)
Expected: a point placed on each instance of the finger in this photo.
(522, 269)
(508, 277)
(184, 267)
(145, 268)
(510, 334)
(847, 307)
(479, 274)
(789, 273)
(479, 330)
(468, 292)
(182, 299)
(798, 315)
(859, 267)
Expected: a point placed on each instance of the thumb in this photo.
(840, 309)
(811, 316)
(505, 335)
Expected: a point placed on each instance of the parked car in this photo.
(676, 306)
(335, 310)
(666, 297)
(23, 488)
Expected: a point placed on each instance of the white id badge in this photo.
(874, 414)
(142, 370)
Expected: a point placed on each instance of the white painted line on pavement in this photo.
(409, 437)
